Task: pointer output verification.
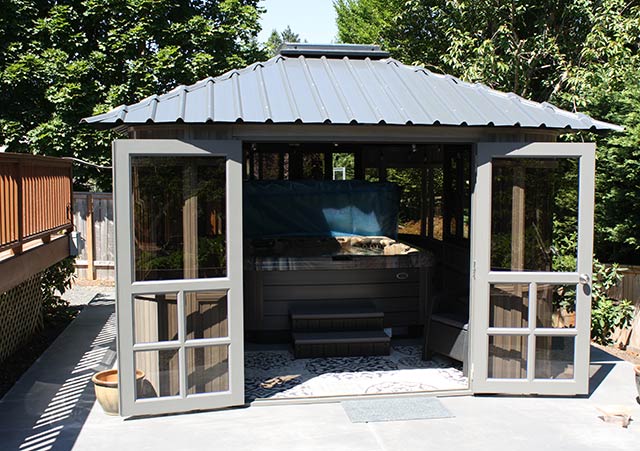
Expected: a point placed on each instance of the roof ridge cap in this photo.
(251, 67)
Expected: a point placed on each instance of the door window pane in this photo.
(509, 305)
(343, 166)
(556, 306)
(437, 206)
(207, 369)
(534, 204)
(372, 174)
(457, 191)
(507, 357)
(179, 217)
(268, 165)
(411, 210)
(555, 357)
(161, 373)
(313, 166)
(155, 317)
(206, 314)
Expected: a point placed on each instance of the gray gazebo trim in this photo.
(359, 99)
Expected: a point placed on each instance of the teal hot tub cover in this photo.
(320, 208)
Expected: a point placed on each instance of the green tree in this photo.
(521, 46)
(604, 84)
(365, 21)
(276, 39)
(61, 61)
(579, 54)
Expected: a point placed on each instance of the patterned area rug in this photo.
(276, 374)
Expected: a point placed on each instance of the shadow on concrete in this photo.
(46, 409)
(601, 365)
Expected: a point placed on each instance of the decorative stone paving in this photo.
(276, 374)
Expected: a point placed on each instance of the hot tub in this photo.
(282, 274)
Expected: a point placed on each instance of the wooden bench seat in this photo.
(447, 332)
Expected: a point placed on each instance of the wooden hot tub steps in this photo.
(336, 318)
(341, 343)
(339, 331)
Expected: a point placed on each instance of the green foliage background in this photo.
(61, 61)
(278, 38)
(579, 54)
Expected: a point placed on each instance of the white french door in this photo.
(178, 212)
(532, 242)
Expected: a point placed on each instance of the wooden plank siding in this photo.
(35, 209)
(36, 199)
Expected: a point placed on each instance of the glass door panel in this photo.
(534, 214)
(179, 275)
(208, 369)
(507, 357)
(531, 302)
(179, 217)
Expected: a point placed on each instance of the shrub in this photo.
(607, 313)
(55, 281)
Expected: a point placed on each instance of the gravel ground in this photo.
(83, 294)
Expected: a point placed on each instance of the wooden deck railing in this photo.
(35, 199)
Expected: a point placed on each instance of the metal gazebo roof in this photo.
(312, 84)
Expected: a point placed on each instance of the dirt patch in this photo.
(14, 366)
(623, 354)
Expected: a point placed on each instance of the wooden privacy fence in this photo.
(35, 199)
(629, 289)
(93, 219)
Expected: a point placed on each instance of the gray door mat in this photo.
(395, 409)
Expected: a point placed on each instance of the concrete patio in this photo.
(52, 407)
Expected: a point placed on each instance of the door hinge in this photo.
(473, 273)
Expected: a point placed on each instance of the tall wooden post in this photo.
(190, 222)
(510, 307)
(518, 219)
(190, 244)
(518, 239)
(90, 240)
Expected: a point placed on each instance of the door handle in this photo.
(584, 279)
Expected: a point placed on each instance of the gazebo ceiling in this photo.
(342, 85)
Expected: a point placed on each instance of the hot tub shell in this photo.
(355, 271)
